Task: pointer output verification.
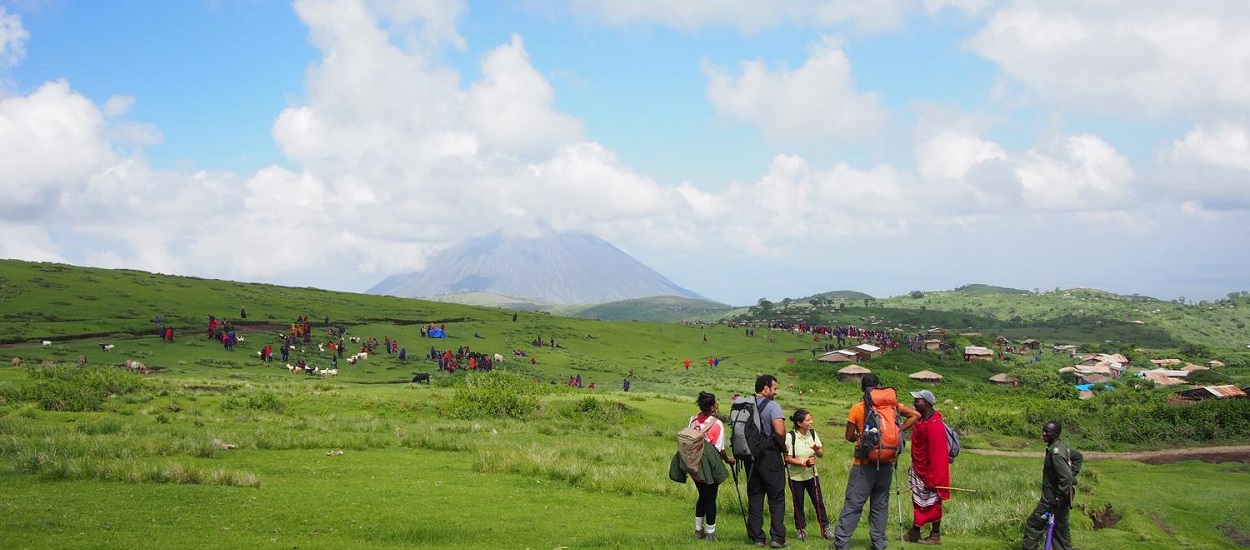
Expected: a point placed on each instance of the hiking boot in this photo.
(802, 535)
(760, 544)
(778, 544)
(912, 535)
(933, 538)
(827, 532)
(711, 537)
(698, 534)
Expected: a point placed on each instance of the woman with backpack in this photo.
(713, 434)
(803, 447)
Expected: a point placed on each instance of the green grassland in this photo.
(214, 448)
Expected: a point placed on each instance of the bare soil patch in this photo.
(1229, 453)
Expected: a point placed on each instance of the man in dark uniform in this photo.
(1058, 487)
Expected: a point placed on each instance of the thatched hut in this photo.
(852, 373)
(1002, 379)
(926, 376)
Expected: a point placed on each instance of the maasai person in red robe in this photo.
(930, 473)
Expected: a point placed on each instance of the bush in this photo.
(494, 394)
(77, 389)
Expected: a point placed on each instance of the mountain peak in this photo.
(552, 267)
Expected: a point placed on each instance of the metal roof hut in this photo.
(1215, 363)
(926, 376)
(869, 351)
(1032, 344)
(852, 373)
(933, 344)
(1211, 392)
(978, 353)
(839, 356)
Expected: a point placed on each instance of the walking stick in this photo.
(955, 489)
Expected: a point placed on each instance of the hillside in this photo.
(659, 308)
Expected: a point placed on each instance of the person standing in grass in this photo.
(869, 481)
(767, 474)
(803, 447)
(1059, 470)
(714, 435)
(930, 472)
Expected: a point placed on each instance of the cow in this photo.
(421, 378)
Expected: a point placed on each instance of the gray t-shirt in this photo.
(767, 414)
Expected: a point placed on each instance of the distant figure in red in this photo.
(686, 363)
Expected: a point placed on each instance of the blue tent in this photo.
(437, 333)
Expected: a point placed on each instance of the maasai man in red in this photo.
(930, 473)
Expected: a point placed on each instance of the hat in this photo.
(926, 395)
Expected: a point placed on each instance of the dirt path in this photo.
(1233, 453)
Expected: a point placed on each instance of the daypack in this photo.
(952, 443)
(748, 439)
(881, 441)
(690, 446)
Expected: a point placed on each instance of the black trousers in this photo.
(767, 477)
(705, 507)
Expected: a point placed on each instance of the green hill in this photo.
(227, 450)
(658, 308)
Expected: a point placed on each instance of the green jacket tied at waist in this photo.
(710, 467)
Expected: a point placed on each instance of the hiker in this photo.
(869, 479)
(803, 447)
(1059, 470)
(930, 474)
(766, 472)
(705, 507)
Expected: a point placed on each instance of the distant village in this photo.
(1089, 369)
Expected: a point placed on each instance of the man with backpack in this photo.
(766, 473)
(1059, 471)
(875, 425)
(930, 474)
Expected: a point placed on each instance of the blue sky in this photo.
(745, 149)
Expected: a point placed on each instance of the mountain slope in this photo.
(559, 268)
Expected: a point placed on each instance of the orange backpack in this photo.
(881, 442)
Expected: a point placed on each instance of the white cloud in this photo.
(1079, 173)
(748, 16)
(950, 154)
(13, 38)
(817, 99)
(971, 7)
(511, 106)
(1226, 146)
(1136, 56)
(50, 141)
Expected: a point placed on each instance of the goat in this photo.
(498, 358)
(106, 347)
(136, 366)
(421, 378)
(47, 343)
(329, 372)
(17, 362)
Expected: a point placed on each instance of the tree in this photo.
(765, 306)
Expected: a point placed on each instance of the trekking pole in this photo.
(738, 491)
(898, 500)
(1050, 530)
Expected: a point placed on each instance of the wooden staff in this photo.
(956, 489)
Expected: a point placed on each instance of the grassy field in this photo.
(215, 448)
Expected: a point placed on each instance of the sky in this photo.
(745, 149)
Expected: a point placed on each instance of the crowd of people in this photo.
(791, 458)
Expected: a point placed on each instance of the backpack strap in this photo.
(793, 443)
